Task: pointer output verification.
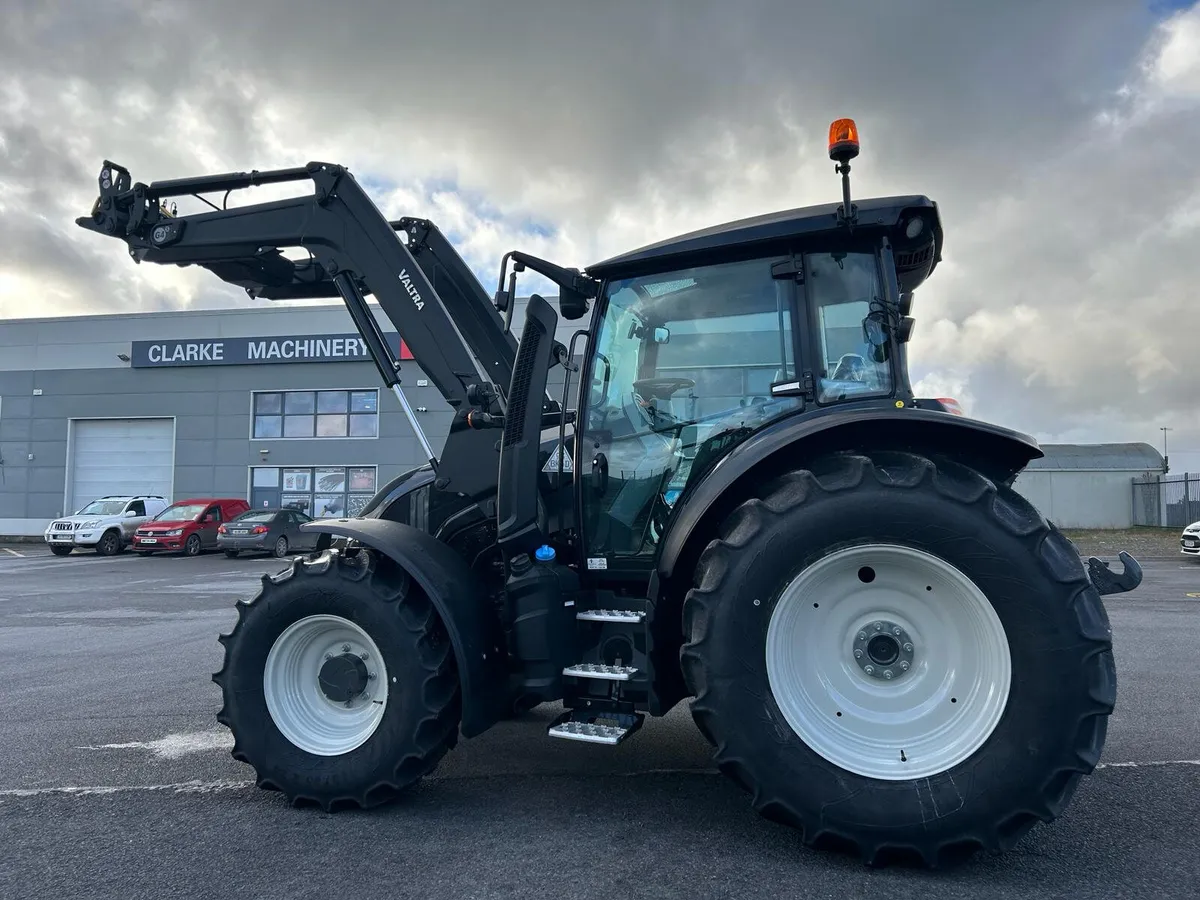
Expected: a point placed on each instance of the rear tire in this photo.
(280, 550)
(766, 665)
(339, 758)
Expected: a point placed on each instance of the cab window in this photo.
(843, 290)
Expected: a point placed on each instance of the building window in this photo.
(323, 492)
(316, 414)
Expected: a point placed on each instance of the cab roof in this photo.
(878, 213)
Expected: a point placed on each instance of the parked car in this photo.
(1189, 541)
(107, 524)
(188, 526)
(274, 531)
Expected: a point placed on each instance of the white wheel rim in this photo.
(300, 708)
(926, 719)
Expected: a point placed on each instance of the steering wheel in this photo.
(662, 387)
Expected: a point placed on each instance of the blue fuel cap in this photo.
(544, 553)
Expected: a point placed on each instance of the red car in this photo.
(189, 526)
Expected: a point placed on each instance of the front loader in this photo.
(746, 505)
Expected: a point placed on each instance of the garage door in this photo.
(121, 456)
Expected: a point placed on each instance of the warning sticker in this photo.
(552, 463)
(597, 562)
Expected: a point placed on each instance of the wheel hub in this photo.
(344, 677)
(325, 683)
(884, 650)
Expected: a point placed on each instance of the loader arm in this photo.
(454, 332)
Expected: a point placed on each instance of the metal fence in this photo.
(1170, 501)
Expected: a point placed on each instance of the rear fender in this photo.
(461, 600)
(998, 453)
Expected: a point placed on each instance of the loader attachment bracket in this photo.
(1106, 581)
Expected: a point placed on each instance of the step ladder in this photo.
(595, 727)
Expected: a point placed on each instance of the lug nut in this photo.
(862, 635)
(870, 670)
(908, 648)
(904, 666)
(349, 703)
(371, 676)
(879, 626)
(887, 673)
(328, 656)
(858, 654)
(345, 648)
(896, 631)
(363, 656)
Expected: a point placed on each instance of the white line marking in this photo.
(183, 787)
(14, 553)
(173, 746)
(1152, 764)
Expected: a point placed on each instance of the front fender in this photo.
(999, 453)
(459, 598)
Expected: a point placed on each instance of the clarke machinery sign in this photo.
(243, 351)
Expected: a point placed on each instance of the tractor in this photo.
(734, 499)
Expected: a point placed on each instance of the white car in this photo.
(106, 524)
(1189, 541)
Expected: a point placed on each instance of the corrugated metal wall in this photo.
(1080, 499)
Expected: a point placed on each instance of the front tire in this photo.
(59, 550)
(192, 546)
(289, 700)
(1010, 677)
(109, 544)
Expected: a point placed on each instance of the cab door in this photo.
(681, 369)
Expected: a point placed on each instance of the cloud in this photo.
(1057, 138)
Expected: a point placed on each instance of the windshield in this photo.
(181, 513)
(843, 289)
(102, 508)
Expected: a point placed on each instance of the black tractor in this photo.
(731, 495)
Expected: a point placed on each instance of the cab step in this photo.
(610, 615)
(578, 725)
(603, 672)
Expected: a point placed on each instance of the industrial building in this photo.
(278, 404)
(282, 405)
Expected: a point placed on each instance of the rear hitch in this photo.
(1106, 581)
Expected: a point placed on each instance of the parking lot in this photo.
(116, 782)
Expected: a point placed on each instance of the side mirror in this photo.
(131, 514)
(662, 335)
(875, 333)
(571, 303)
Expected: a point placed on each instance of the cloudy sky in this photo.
(1059, 137)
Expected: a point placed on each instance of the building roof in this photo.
(1138, 457)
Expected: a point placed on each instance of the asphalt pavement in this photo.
(115, 780)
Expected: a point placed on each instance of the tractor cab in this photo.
(700, 341)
